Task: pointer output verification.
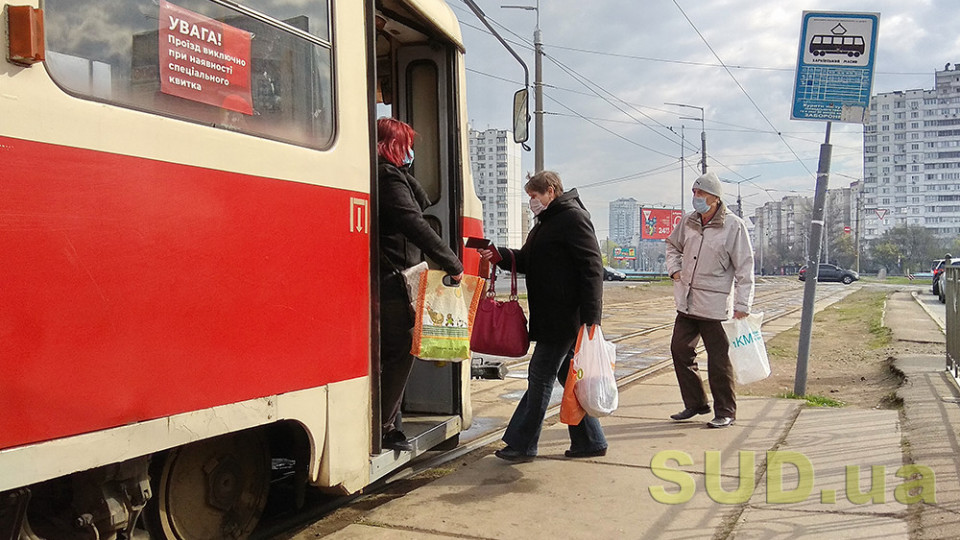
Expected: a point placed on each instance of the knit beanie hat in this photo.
(709, 183)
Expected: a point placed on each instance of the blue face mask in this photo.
(409, 159)
(700, 205)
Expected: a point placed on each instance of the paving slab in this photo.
(772, 524)
(932, 411)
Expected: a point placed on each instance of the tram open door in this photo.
(418, 80)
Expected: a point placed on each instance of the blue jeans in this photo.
(549, 361)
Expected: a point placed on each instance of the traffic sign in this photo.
(881, 212)
(835, 66)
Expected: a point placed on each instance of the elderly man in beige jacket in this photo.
(710, 259)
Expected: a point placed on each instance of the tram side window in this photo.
(201, 61)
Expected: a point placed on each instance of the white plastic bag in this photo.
(748, 354)
(593, 362)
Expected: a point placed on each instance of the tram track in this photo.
(770, 301)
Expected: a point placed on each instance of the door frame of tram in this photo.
(424, 97)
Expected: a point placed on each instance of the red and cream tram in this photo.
(187, 216)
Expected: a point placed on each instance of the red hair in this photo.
(394, 140)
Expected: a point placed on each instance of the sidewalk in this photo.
(628, 494)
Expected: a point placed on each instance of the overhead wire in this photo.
(740, 86)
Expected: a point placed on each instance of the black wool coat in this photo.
(563, 268)
(405, 236)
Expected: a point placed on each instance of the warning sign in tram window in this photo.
(205, 60)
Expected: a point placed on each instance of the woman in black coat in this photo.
(405, 236)
(564, 273)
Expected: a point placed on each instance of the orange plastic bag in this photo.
(571, 413)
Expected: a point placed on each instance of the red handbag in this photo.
(500, 328)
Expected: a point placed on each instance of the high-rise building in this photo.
(625, 222)
(498, 181)
(911, 159)
(780, 235)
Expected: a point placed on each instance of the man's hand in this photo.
(740, 314)
(675, 276)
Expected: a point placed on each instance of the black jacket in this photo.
(405, 236)
(564, 270)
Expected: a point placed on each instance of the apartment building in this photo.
(911, 159)
(498, 180)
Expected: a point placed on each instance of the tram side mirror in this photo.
(521, 120)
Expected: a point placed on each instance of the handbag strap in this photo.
(513, 277)
(492, 290)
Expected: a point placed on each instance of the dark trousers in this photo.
(687, 332)
(549, 362)
(396, 339)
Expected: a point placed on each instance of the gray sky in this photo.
(640, 54)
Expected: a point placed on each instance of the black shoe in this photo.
(690, 413)
(396, 440)
(589, 453)
(721, 422)
(513, 455)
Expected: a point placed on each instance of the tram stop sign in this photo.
(835, 66)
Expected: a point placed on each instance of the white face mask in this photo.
(536, 206)
(700, 205)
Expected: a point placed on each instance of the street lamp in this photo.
(703, 134)
(537, 88)
(739, 200)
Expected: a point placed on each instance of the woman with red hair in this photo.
(405, 237)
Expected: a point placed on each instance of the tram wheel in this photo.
(210, 489)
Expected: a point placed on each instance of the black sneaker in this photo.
(690, 413)
(585, 454)
(396, 440)
(513, 455)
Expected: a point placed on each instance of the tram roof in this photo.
(439, 14)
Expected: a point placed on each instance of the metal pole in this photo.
(813, 265)
(857, 231)
(683, 165)
(703, 144)
(739, 202)
(538, 95)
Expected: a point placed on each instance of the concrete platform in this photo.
(783, 471)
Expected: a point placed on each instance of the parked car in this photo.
(937, 270)
(941, 281)
(939, 284)
(612, 274)
(831, 272)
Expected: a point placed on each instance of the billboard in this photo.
(658, 223)
(625, 253)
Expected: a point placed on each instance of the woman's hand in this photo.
(740, 314)
(485, 254)
(457, 277)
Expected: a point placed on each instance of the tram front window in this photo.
(200, 61)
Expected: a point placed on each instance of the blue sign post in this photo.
(835, 66)
(834, 78)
